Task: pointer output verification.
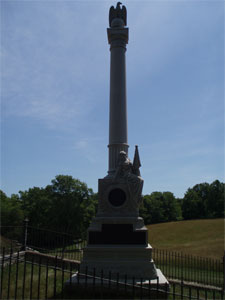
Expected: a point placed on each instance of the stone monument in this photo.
(117, 237)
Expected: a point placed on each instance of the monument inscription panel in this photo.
(117, 234)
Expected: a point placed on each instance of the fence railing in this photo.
(174, 265)
(44, 240)
(31, 275)
(190, 268)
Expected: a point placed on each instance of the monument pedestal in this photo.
(101, 287)
(159, 283)
(120, 245)
(117, 236)
(131, 260)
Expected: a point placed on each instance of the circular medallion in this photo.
(117, 197)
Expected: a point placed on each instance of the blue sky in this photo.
(55, 92)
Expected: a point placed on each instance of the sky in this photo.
(55, 64)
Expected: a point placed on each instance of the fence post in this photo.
(224, 272)
(25, 226)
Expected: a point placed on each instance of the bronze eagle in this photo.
(118, 12)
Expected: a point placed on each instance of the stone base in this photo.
(134, 261)
(93, 288)
(81, 279)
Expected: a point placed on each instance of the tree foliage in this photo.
(68, 204)
(204, 200)
(11, 211)
(11, 215)
(36, 205)
(160, 207)
(72, 204)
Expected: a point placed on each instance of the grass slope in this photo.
(196, 237)
(4, 242)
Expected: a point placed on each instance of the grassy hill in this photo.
(197, 237)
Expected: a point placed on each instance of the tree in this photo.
(172, 207)
(67, 204)
(11, 215)
(36, 205)
(191, 206)
(72, 204)
(160, 207)
(151, 209)
(204, 200)
(11, 211)
(216, 199)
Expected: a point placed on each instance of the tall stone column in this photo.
(118, 141)
(117, 237)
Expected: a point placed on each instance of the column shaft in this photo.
(118, 140)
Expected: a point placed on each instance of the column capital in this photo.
(117, 34)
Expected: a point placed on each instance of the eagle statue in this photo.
(118, 12)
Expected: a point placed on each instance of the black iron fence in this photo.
(174, 265)
(31, 275)
(190, 268)
(43, 240)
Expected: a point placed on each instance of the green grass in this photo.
(175, 292)
(190, 237)
(195, 237)
(190, 273)
(56, 281)
(27, 292)
(203, 238)
(73, 252)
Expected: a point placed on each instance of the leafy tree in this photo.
(191, 206)
(11, 215)
(72, 204)
(67, 204)
(216, 199)
(151, 209)
(36, 205)
(204, 201)
(160, 207)
(172, 207)
(11, 210)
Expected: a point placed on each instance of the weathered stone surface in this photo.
(128, 206)
(118, 137)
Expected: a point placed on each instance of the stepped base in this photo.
(161, 281)
(94, 287)
(134, 261)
